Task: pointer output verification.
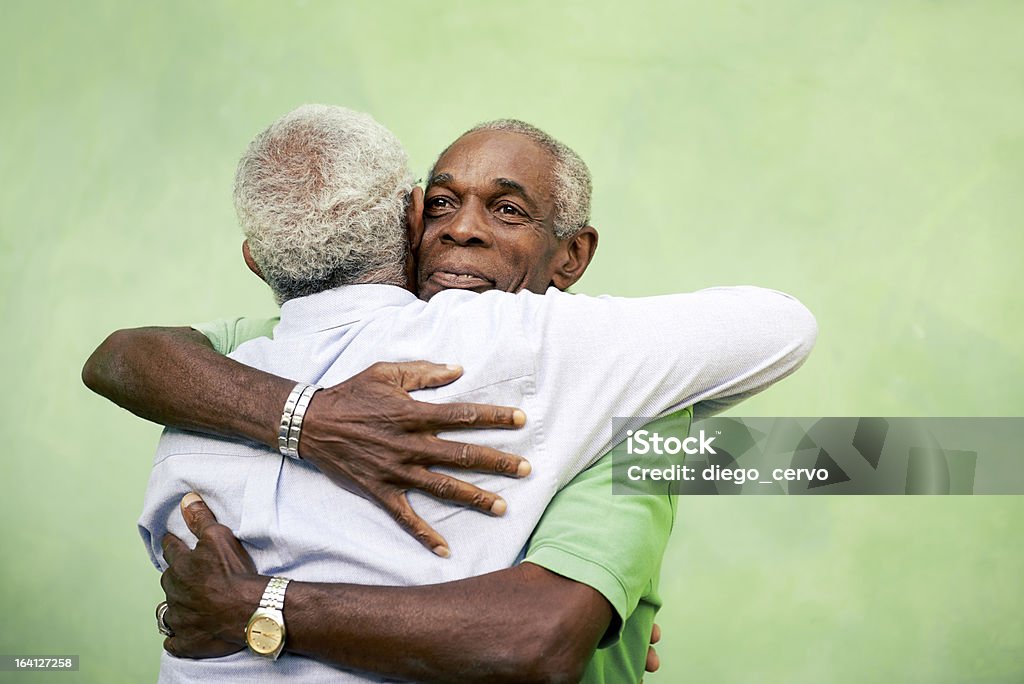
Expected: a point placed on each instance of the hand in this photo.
(367, 433)
(211, 590)
(653, 661)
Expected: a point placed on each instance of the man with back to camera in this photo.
(458, 190)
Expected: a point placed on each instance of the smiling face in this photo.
(488, 219)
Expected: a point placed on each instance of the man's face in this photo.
(488, 217)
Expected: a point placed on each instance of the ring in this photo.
(161, 610)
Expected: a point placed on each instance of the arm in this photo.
(522, 624)
(173, 376)
(518, 625)
(646, 357)
(366, 433)
(505, 624)
(619, 554)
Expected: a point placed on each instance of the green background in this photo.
(866, 156)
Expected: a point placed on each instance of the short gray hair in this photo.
(321, 196)
(572, 177)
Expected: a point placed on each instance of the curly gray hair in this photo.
(321, 196)
(572, 177)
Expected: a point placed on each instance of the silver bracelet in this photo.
(291, 419)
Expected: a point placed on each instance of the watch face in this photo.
(264, 635)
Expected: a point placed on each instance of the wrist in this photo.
(310, 429)
(266, 408)
(244, 599)
(292, 418)
(266, 633)
(324, 433)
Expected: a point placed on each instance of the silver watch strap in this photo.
(273, 595)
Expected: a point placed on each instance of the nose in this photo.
(468, 227)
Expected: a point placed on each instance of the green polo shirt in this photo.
(613, 543)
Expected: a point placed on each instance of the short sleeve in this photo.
(611, 542)
(226, 334)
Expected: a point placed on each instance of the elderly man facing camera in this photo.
(338, 263)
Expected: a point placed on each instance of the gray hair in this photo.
(572, 177)
(321, 197)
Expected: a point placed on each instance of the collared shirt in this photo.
(550, 355)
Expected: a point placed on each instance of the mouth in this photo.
(460, 280)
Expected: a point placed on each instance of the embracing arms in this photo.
(523, 624)
(173, 376)
(366, 433)
(615, 561)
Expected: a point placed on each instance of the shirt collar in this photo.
(338, 307)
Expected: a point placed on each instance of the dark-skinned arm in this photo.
(174, 377)
(523, 624)
(366, 434)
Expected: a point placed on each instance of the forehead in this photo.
(480, 157)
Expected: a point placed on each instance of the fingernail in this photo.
(518, 418)
(524, 468)
(442, 551)
(453, 367)
(190, 499)
(499, 507)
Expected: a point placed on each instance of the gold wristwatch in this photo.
(265, 632)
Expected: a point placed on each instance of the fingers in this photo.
(414, 375)
(653, 661)
(173, 547)
(197, 514)
(475, 457)
(167, 582)
(198, 646)
(450, 489)
(460, 416)
(398, 506)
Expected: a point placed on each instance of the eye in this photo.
(438, 205)
(509, 209)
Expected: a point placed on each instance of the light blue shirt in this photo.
(571, 362)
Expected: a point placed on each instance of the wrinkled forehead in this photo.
(481, 158)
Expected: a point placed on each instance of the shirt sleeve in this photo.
(603, 357)
(619, 556)
(226, 334)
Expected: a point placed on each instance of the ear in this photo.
(414, 218)
(579, 250)
(414, 232)
(250, 262)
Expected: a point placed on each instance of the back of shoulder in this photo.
(528, 314)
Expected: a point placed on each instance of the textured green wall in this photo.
(865, 156)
